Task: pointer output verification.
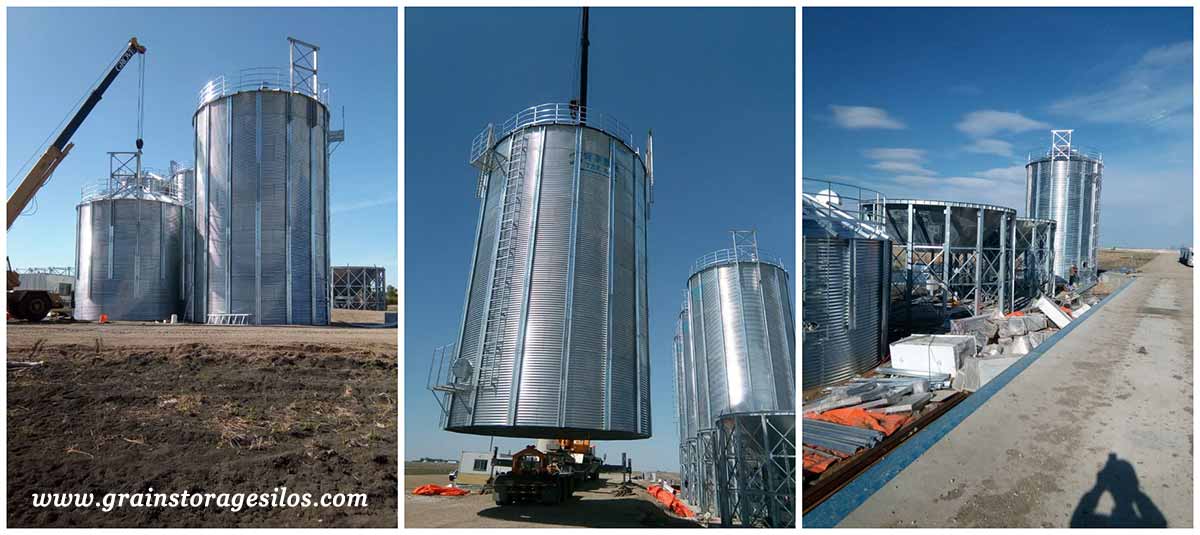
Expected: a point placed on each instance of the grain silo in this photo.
(948, 256)
(685, 391)
(261, 248)
(847, 267)
(553, 341)
(129, 230)
(1063, 185)
(738, 359)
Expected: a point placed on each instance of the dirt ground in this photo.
(1132, 259)
(592, 506)
(356, 316)
(128, 406)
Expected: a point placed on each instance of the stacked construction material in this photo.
(839, 438)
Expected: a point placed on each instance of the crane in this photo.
(33, 305)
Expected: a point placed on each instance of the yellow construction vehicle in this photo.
(33, 305)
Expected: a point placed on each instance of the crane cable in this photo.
(42, 147)
(574, 89)
(141, 98)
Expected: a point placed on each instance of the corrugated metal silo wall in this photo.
(128, 259)
(577, 309)
(261, 242)
(845, 281)
(743, 338)
(1069, 193)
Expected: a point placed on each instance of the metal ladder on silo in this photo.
(506, 259)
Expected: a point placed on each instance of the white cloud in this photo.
(985, 123)
(1156, 91)
(893, 166)
(1015, 173)
(361, 204)
(864, 117)
(914, 155)
(990, 146)
(916, 180)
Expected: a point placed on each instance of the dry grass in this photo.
(1116, 259)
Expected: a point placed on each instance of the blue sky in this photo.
(946, 104)
(716, 85)
(55, 54)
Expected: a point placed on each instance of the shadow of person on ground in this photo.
(1133, 508)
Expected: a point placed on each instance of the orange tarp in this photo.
(668, 499)
(884, 423)
(435, 490)
(817, 463)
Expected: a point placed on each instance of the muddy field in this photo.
(125, 407)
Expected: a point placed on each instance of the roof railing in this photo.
(552, 113)
(730, 256)
(257, 79)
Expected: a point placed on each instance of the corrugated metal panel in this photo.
(781, 332)
(129, 253)
(1067, 191)
(743, 361)
(218, 208)
(698, 359)
(641, 212)
(623, 306)
(589, 338)
(273, 202)
(577, 264)
(243, 220)
(261, 242)
(300, 208)
(715, 345)
(837, 346)
(541, 362)
(200, 242)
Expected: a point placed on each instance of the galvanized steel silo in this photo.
(742, 334)
(129, 232)
(261, 194)
(1063, 184)
(847, 264)
(553, 341)
(737, 353)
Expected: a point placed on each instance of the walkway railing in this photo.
(254, 79)
(552, 113)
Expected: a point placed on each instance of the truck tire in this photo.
(501, 498)
(35, 307)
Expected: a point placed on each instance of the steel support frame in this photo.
(756, 469)
(706, 471)
(359, 288)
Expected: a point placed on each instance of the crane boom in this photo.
(41, 171)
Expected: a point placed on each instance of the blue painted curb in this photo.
(835, 509)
